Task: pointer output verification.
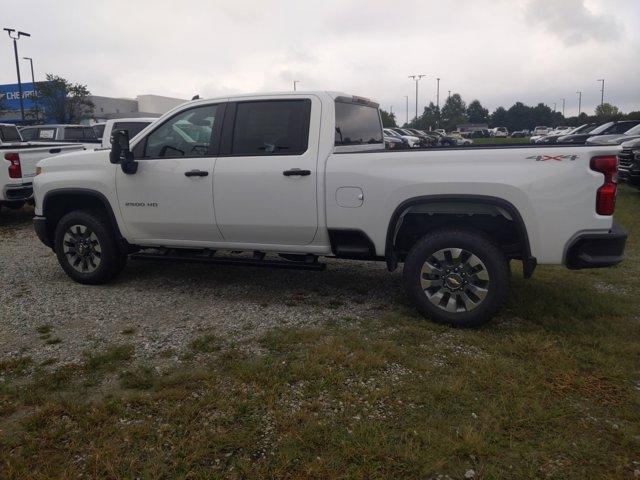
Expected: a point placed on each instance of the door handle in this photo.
(296, 172)
(196, 173)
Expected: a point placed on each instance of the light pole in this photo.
(579, 102)
(449, 95)
(33, 82)
(554, 107)
(416, 78)
(563, 101)
(15, 36)
(438, 94)
(295, 82)
(601, 90)
(406, 97)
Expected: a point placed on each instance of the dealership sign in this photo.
(10, 96)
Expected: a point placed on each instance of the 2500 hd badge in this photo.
(141, 204)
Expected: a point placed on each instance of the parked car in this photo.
(629, 163)
(412, 140)
(540, 130)
(390, 133)
(133, 126)
(393, 143)
(553, 138)
(426, 140)
(519, 134)
(441, 139)
(61, 133)
(18, 165)
(609, 128)
(614, 139)
(500, 132)
(459, 139)
(442, 213)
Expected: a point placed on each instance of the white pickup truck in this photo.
(18, 161)
(304, 175)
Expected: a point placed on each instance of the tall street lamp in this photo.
(406, 97)
(15, 36)
(416, 78)
(295, 82)
(563, 101)
(33, 82)
(601, 90)
(438, 94)
(579, 102)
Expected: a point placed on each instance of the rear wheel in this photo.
(86, 247)
(456, 276)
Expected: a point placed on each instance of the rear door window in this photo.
(74, 134)
(29, 134)
(271, 127)
(9, 134)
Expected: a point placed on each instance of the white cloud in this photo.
(493, 50)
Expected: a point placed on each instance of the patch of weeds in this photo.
(109, 359)
(140, 378)
(15, 366)
(168, 353)
(53, 341)
(128, 331)
(207, 343)
(44, 331)
(48, 361)
(335, 304)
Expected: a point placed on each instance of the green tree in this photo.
(388, 119)
(499, 117)
(428, 120)
(63, 101)
(454, 112)
(606, 112)
(477, 113)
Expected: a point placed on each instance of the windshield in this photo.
(9, 133)
(633, 131)
(601, 128)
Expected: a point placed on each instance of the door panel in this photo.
(159, 202)
(255, 202)
(170, 197)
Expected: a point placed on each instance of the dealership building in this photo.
(105, 108)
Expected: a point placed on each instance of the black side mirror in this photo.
(121, 153)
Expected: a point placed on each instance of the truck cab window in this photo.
(187, 134)
(272, 127)
(357, 125)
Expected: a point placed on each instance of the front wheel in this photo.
(458, 277)
(86, 247)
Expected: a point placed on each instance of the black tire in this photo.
(471, 310)
(104, 261)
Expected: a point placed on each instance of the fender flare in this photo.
(529, 262)
(61, 192)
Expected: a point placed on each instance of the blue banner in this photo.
(10, 96)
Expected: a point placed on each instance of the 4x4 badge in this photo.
(558, 158)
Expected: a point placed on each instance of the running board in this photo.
(243, 262)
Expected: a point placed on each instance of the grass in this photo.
(551, 389)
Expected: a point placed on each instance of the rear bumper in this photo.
(40, 226)
(597, 250)
(18, 192)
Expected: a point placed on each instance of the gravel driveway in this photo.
(160, 307)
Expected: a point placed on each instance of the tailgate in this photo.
(29, 157)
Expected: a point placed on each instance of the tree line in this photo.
(519, 116)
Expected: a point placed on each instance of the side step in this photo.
(310, 262)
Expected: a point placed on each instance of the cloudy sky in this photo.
(499, 51)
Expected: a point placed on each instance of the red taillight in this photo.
(14, 168)
(606, 196)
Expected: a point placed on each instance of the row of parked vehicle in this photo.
(609, 133)
(398, 138)
(22, 148)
